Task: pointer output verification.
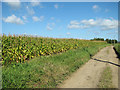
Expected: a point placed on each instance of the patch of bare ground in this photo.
(89, 74)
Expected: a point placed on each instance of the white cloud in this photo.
(56, 6)
(13, 19)
(41, 18)
(36, 19)
(73, 26)
(50, 26)
(68, 33)
(96, 8)
(75, 22)
(91, 22)
(24, 17)
(108, 24)
(10, 0)
(13, 3)
(78, 25)
(35, 3)
(30, 10)
(104, 24)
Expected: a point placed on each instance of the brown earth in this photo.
(89, 74)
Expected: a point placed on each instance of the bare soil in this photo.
(89, 74)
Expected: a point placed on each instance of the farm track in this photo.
(89, 74)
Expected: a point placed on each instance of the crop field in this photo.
(42, 62)
(22, 48)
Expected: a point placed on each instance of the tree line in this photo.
(107, 40)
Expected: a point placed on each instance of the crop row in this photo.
(22, 48)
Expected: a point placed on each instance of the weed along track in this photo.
(89, 75)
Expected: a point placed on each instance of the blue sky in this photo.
(83, 20)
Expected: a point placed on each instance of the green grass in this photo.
(46, 71)
(117, 47)
(106, 79)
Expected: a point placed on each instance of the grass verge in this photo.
(117, 49)
(46, 71)
(106, 79)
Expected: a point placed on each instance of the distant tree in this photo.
(111, 40)
(107, 40)
(98, 39)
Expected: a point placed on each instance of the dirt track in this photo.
(89, 74)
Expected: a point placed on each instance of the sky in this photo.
(82, 20)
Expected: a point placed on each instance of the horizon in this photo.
(54, 38)
(77, 20)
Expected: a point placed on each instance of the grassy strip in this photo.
(106, 79)
(46, 71)
(117, 49)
